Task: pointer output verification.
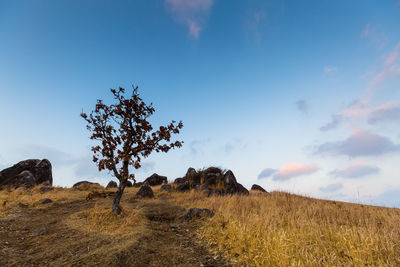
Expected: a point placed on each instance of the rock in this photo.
(84, 184)
(46, 201)
(112, 184)
(156, 179)
(22, 205)
(137, 185)
(44, 189)
(183, 187)
(145, 191)
(258, 188)
(27, 173)
(197, 213)
(128, 184)
(193, 177)
(241, 190)
(41, 230)
(166, 187)
(180, 180)
(174, 226)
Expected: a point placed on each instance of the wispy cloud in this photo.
(329, 70)
(376, 37)
(266, 173)
(356, 170)
(386, 112)
(360, 143)
(291, 170)
(331, 188)
(302, 105)
(288, 171)
(333, 124)
(254, 20)
(192, 13)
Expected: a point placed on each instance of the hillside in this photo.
(276, 229)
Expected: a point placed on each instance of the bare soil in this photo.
(39, 236)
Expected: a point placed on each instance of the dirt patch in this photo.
(38, 236)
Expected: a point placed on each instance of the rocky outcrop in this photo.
(145, 191)
(212, 181)
(180, 180)
(156, 179)
(27, 173)
(112, 184)
(258, 188)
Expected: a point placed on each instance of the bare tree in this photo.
(125, 136)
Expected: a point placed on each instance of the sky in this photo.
(299, 96)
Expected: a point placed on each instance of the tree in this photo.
(125, 136)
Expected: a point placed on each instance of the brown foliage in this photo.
(125, 135)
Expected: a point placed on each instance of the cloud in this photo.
(333, 124)
(302, 106)
(356, 170)
(385, 112)
(365, 33)
(329, 69)
(291, 170)
(377, 38)
(331, 188)
(266, 173)
(360, 143)
(254, 19)
(191, 13)
(196, 145)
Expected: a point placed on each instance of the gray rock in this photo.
(112, 184)
(41, 230)
(46, 189)
(145, 191)
(46, 201)
(166, 187)
(183, 187)
(156, 179)
(258, 188)
(197, 213)
(28, 173)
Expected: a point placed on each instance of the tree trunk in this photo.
(115, 207)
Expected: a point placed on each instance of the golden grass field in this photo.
(277, 229)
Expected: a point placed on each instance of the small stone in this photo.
(41, 230)
(46, 189)
(174, 225)
(46, 201)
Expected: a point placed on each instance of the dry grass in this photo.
(282, 229)
(278, 229)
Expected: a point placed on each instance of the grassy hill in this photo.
(277, 229)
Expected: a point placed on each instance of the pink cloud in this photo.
(290, 170)
(366, 31)
(191, 13)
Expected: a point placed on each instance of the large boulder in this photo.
(86, 185)
(145, 191)
(112, 184)
(258, 188)
(156, 179)
(27, 173)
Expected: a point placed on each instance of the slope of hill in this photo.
(276, 229)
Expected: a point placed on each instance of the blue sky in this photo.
(296, 96)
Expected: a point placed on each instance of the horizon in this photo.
(298, 97)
